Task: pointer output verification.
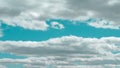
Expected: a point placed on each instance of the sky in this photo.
(59, 34)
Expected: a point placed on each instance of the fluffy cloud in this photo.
(57, 25)
(64, 52)
(107, 10)
(66, 45)
(25, 21)
(29, 13)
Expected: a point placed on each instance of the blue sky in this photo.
(77, 29)
(59, 34)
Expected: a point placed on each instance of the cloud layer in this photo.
(64, 52)
(31, 14)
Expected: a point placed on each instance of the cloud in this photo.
(63, 52)
(66, 45)
(98, 23)
(113, 2)
(103, 11)
(55, 62)
(57, 25)
(25, 21)
(26, 13)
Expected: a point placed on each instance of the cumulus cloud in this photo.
(28, 14)
(14, 12)
(63, 52)
(102, 11)
(98, 23)
(66, 45)
(25, 21)
(57, 25)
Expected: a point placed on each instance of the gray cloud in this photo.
(66, 51)
(65, 9)
(66, 45)
(27, 14)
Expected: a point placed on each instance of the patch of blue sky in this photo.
(79, 29)
(12, 56)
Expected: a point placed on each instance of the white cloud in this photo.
(67, 9)
(103, 24)
(68, 45)
(57, 25)
(64, 52)
(113, 2)
(28, 14)
(61, 62)
(25, 20)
